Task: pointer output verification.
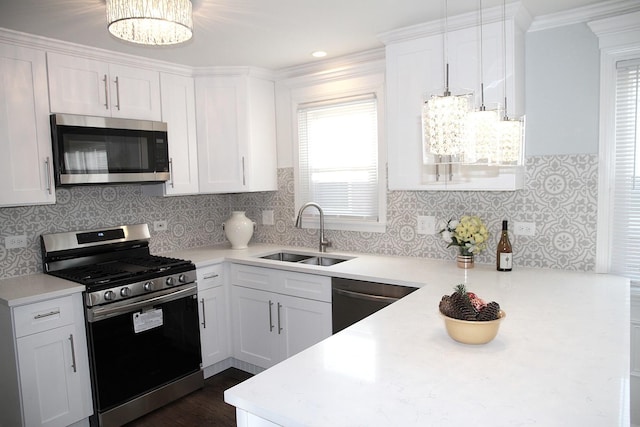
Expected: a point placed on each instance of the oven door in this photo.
(142, 345)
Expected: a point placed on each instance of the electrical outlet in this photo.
(524, 228)
(13, 242)
(426, 224)
(160, 225)
(267, 217)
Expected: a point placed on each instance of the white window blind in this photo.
(625, 252)
(338, 157)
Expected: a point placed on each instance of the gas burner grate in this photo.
(93, 274)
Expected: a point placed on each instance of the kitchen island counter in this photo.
(561, 358)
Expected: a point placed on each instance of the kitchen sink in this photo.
(322, 260)
(310, 259)
(287, 256)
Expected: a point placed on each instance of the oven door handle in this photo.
(368, 297)
(100, 313)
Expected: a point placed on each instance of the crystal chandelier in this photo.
(444, 122)
(150, 22)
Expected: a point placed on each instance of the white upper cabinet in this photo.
(90, 87)
(26, 175)
(416, 70)
(236, 133)
(178, 111)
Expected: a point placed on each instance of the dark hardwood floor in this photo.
(204, 407)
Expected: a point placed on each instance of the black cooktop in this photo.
(122, 271)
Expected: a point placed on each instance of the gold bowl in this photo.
(473, 332)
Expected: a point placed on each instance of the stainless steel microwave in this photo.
(103, 150)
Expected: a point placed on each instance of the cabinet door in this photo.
(78, 85)
(52, 376)
(220, 106)
(135, 93)
(236, 134)
(26, 175)
(301, 323)
(414, 72)
(255, 333)
(214, 334)
(178, 111)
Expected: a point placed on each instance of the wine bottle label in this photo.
(505, 261)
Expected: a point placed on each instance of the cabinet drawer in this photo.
(43, 316)
(304, 285)
(209, 276)
(253, 277)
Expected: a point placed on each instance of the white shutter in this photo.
(338, 157)
(625, 252)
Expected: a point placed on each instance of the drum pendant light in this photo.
(510, 130)
(150, 22)
(443, 121)
(483, 124)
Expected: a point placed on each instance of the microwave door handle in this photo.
(171, 172)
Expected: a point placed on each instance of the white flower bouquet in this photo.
(469, 234)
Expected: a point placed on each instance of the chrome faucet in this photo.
(323, 243)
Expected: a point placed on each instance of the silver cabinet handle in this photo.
(47, 163)
(367, 297)
(171, 171)
(204, 316)
(244, 177)
(270, 317)
(279, 324)
(43, 315)
(210, 276)
(117, 93)
(73, 354)
(106, 92)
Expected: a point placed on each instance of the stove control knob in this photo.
(169, 281)
(109, 295)
(182, 278)
(148, 286)
(125, 292)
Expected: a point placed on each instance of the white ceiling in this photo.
(272, 34)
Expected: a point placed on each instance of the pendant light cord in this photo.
(445, 50)
(504, 54)
(482, 107)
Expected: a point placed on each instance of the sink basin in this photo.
(321, 260)
(310, 259)
(287, 256)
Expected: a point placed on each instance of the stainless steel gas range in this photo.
(141, 317)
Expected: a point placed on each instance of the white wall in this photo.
(562, 85)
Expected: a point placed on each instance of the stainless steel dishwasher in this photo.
(353, 300)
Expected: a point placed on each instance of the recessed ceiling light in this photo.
(319, 54)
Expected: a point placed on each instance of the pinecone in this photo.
(463, 308)
(446, 306)
(490, 312)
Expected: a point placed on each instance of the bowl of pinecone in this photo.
(468, 319)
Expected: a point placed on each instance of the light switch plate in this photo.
(13, 242)
(160, 226)
(524, 228)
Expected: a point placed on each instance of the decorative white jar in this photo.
(238, 229)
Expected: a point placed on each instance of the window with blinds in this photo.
(338, 158)
(625, 250)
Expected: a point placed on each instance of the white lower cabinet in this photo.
(49, 370)
(214, 324)
(271, 326)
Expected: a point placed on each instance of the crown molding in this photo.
(73, 49)
(514, 11)
(585, 14)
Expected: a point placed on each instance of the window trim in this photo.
(335, 91)
(619, 40)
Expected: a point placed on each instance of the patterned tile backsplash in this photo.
(560, 197)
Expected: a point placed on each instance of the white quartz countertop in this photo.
(32, 288)
(561, 356)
